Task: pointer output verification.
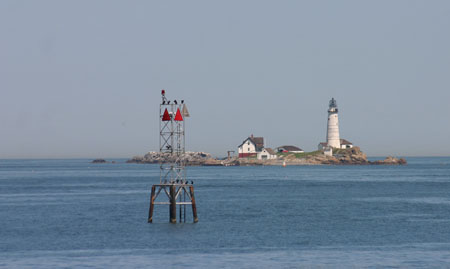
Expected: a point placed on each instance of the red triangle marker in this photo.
(166, 116)
(178, 116)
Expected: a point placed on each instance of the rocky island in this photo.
(190, 158)
(99, 161)
(351, 156)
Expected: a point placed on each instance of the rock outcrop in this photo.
(351, 156)
(390, 161)
(99, 161)
(190, 158)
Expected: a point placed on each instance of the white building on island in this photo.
(345, 144)
(266, 154)
(251, 147)
(291, 149)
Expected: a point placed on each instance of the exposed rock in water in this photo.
(190, 158)
(351, 156)
(390, 161)
(99, 161)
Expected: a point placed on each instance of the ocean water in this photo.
(71, 213)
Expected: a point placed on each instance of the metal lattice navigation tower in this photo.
(171, 140)
(173, 182)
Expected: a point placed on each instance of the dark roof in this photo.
(270, 151)
(290, 148)
(257, 141)
(323, 143)
(346, 142)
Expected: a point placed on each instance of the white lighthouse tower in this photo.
(333, 139)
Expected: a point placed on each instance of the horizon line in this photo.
(93, 158)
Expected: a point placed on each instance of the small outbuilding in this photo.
(345, 144)
(328, 151)
(288, 148)
(267, 154)
(322, 145)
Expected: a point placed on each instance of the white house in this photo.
(266, 154)
(250, 147)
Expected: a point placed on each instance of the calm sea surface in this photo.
(71, 213)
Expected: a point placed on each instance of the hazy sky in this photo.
(83, 78)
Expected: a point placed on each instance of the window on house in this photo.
(248, 149)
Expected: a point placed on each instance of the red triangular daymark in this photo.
(166, 116)
(178, 116)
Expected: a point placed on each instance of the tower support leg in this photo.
(194, 207)
(173, 204)
(152, 204)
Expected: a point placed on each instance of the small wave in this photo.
(424, 200)
(400, 256)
